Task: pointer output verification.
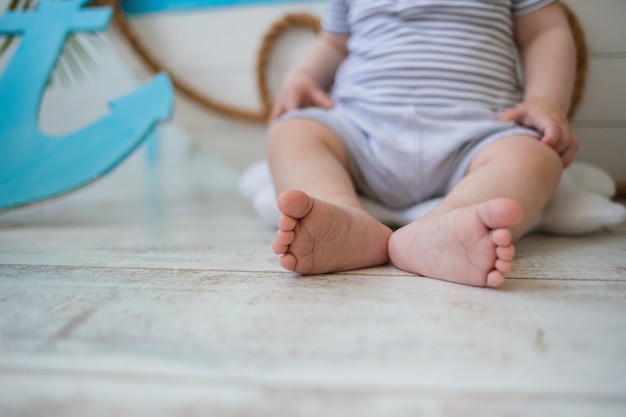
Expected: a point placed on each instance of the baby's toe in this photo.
(504, 266)
(284, 237)
(288, 261)
(494, 279)
(505, 253)
(286, 222)
(501, 237)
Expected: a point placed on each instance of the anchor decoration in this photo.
(35, 166)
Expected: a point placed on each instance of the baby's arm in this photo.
(548, 61)
(307, 83)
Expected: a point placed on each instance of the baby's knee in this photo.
(531, 151)
(282, 137)
(290, 129)
(278, 132)
(304, 135)
(524, 155)
(539, 163)
(545, 157)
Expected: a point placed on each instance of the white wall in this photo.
(601, 120)
(215, 50)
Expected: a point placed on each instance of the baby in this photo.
(425, 101)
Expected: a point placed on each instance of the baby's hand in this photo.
(298, 92)
(552, 124)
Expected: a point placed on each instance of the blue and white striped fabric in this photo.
(429, 52)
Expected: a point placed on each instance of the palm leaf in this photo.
(76, 59)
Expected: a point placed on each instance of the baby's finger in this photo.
(570, 152)
(321, 99)
(556, 132)
(283, 105)
(568, 155)
(564, 138)
(512, 115)
(292, 102)
(551, 134)
(277, 111)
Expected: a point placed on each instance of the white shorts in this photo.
(401, 155)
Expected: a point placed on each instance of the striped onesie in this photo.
(420, 91)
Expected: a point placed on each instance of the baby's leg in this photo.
(323, 227)
(468, 237)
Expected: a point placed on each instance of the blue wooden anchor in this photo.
(35, 166)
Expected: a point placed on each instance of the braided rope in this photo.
(278, 29)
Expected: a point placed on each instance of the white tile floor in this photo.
(154, 292)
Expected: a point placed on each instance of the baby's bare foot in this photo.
(470, 245)
(316, 237)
